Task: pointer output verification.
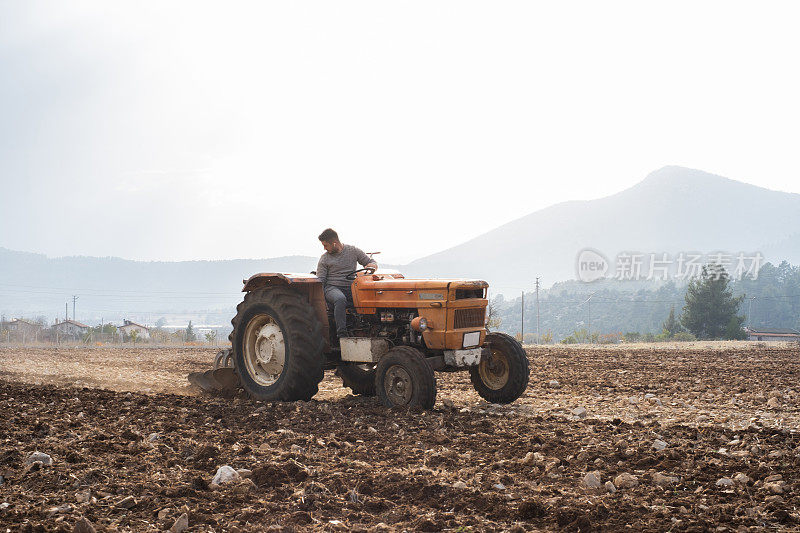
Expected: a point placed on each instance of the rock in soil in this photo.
(226, 474)
(579, 412)
(659, 445)
(82, 525)
(626, 481)
(181, 523)
(592, 480)
(664, 481)
(40, 457)
(127, 503)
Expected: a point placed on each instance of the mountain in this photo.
(672, 210)
(114, 288)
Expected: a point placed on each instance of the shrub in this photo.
(632, 336)
(684, 336)
(664, 336)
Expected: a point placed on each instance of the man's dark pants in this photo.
(338, 298)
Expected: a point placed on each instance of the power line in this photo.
(70, 289)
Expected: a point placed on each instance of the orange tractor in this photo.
(402, 331)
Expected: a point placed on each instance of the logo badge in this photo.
(591, 265)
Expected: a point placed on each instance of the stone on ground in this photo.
(83, 526)
(181, 524)
(626, 481)
(663, 480)
(41, 457)
(225, 474)
(592, 480)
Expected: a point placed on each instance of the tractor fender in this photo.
(266, 279)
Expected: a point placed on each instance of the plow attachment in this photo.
(222, 379)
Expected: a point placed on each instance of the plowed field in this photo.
(693, 437)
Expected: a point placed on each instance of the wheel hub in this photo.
(398, 385)
(269, 344)
(494, 370)
(265, 349)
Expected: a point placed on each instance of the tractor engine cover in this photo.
(363, 349)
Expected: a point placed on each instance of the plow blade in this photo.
(217, 381)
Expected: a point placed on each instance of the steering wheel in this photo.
(352, 275)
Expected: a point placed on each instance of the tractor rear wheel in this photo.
(359, 377)
(277, 345)
(404, 378)
(502, 377)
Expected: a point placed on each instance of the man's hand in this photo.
(373, 266)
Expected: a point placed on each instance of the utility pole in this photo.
(749, 312)
(522, 321)
(589, 314)
(588, 303)
(66, 311)
(538, 332)
(74, 299)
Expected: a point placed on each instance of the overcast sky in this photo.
(184, 130)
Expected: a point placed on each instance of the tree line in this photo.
(712, 305)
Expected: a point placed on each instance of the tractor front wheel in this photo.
(502, 376)
(404, 378)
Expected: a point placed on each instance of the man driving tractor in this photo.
(336, 263)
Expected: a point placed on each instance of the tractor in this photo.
(401, 332)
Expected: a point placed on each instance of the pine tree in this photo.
(711, 310)
(733, 330)
(672, 325)
(190, 336)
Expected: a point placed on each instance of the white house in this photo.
(21, 329)
(21, 325)
(70, 328)
(129, 327)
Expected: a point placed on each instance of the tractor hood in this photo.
(377, 291)
(379, 281)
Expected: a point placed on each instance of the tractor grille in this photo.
(469, 318)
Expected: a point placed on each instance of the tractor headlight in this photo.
(420, 323)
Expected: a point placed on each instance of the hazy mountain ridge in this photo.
(34, 283)
(674, 209)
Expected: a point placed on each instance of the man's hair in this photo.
(328, 235)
